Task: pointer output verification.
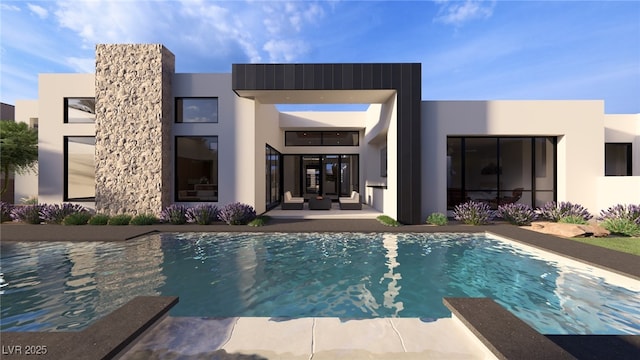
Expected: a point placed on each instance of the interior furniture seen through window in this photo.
(196, 168)
(501, 170)
(79, 110)
(79, 168)
(617, 159)
(197, 110)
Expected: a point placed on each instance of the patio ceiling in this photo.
(318, 96)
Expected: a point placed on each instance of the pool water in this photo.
(66, 286)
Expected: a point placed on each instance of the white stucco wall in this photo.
(267, 132)
(52, 90)
(578, 125)
(235, 130)
(614, 190)
(26, 185)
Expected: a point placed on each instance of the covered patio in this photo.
(335, 212)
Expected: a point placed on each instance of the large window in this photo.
(617, 159)
(79, 168)
(197, 110)
(501, 170)
(196, 168)
(272, 170)
(327, 175)
(321, 138)
(79, 110)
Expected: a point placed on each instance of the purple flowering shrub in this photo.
(630, 212)
(5, 211)
(237, 213)
(55, 214)
(174, 214)
(517, 214)
(203, 214)
(473, 213)
(622, 219)
(553, 211)
(29, 214)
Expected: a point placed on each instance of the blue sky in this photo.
(469, 49)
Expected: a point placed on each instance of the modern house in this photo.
(136, 137)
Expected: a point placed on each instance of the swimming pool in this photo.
(66, 286)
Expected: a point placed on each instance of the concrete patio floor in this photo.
(335, 212)
(306, 338)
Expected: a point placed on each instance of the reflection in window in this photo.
(197, 168)
(500, 170)
(197, 110)
(79, 110)
(80, 172)
(272, 172)
(617, 159)
(321, 138)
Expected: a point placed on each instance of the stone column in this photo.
(134, 105)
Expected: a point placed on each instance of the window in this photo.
(617, 159)
(79, 110)
(272, 171)
(501, 170)
(196, 168)
(321, 138)
(197, 110)
(79, 168)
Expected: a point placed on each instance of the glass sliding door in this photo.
(330, 175)
(311, 175)
(349, 174)
(327, 175)
(272, 172)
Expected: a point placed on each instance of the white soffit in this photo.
(318, 96)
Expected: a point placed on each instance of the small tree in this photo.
(18, 149)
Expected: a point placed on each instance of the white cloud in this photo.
(38, 10)
(458, 12)
(82, 65)
(7, 7)
(285, 50)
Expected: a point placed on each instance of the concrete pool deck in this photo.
(492, 325)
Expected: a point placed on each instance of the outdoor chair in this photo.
(292, 203)
(350, 203)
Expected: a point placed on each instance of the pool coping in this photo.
(485, 318)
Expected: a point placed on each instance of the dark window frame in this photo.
(66, 109)
(179, 111)
(273, 200)
(65, 191)
(322, 137)
(176, 173)
(629, 154)
(463, 189)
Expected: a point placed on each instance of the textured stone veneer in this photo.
(133, 128)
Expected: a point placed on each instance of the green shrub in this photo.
(79, 218)
(622, 226)
(573, 219)
(388, 221)
(259, 221)
(144, 219)
(99, 219)
(437, 219)
(121, 219)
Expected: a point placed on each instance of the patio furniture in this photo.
(292, 203)
(319, 203)
(350, 203)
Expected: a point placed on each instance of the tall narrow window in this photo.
(617, 159)
(197, 168)
(80, 173)
(79, 110)
(272, 172)
(197, 110)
